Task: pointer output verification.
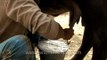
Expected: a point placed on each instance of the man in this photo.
(17, 18)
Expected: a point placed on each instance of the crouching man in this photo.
(17, 18)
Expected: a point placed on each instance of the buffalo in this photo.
(94, 19)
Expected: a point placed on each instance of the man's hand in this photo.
(68, 33)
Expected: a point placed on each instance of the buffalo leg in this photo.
(86, 45)
(100, 46)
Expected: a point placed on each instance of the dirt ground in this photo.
(76, 40)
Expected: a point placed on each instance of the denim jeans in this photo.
(17, 48)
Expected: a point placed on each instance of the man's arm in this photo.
(30, 16)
